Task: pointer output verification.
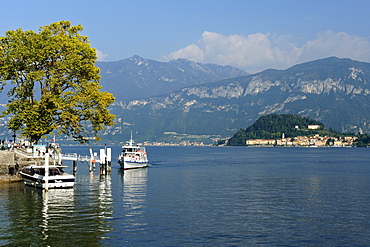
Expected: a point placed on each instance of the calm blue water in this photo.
(201, 196)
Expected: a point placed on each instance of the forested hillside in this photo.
(273, 126)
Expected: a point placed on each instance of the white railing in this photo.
(28, 155)
(84, 158)
(70, 156)
(77, 157)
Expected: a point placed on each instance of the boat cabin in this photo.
(53, 171)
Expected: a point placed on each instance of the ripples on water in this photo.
(202, 196)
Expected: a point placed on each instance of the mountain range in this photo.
(137, 77)
(331, 90)
(170, 101)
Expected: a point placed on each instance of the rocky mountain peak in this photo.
(334, 91)
(141, 78)
(139, 60)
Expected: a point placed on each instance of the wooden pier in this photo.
(104, 159)
(11, 161)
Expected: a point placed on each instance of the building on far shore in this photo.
(304, 141)
(313, 127)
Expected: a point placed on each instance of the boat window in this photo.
(37, 171)
(40, 171)
(29, 171)
(54, 171)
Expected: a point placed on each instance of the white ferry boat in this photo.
(56, 178)
(133, 156)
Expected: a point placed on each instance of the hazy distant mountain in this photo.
(137, 77)
(332, 90)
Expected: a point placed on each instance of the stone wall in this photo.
(6, 160)
(8, 172)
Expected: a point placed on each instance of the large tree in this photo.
(56, 83)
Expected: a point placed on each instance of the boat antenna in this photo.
(131, 140)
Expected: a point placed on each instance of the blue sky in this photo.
(251, 35)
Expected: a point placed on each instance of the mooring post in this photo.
(92, 160)
(109, 168)
(102, 161)
(46, 170)
(109, 159)
(105, 159)
(74, 162)
(102, 168)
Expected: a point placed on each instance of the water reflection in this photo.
(95, 207)
(134, 192)
(35, 217)
(105, 201)
(78, 216)
(55, 204)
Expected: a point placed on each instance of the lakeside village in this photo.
(305, 141)
(299, 141)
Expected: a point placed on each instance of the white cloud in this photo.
(191, 52)
(341, 44)
(101, 56)
(260, 51)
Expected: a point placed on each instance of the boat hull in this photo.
(66, 181)
(132, 165)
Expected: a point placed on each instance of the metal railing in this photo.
(77, 157)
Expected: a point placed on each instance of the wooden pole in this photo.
(109, 159)
(46, 177)
(74, 162)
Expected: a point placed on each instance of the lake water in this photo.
(201, 196)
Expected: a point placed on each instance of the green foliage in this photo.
(56, 82)
(273, 126)
(363, 140)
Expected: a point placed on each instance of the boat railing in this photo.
(77, 157)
